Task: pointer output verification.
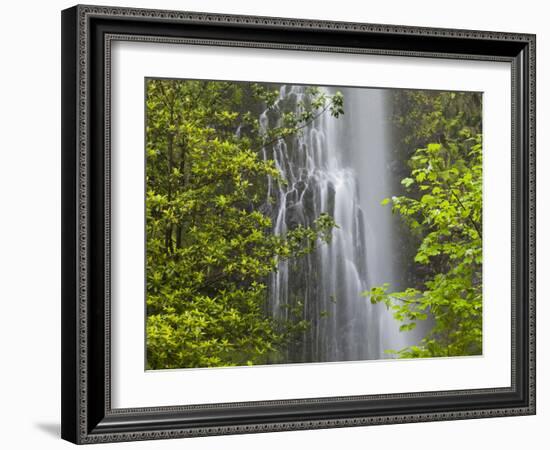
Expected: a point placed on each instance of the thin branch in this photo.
(464, 208)
(266, 144)
(415, 302)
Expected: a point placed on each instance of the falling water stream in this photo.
(338, 166)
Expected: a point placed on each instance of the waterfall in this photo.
(368, 131)
(336, 166)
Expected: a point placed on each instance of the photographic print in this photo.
(299, 224)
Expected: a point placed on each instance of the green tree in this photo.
(442, 207)
(210, 248)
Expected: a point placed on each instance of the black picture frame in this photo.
(87, 416)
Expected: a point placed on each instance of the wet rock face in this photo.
(294, 215)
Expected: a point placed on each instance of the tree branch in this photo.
(474, 224)
(305, 124)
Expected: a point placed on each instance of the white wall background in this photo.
(30, 223)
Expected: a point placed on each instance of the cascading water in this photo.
(334, 166)
(368, 132)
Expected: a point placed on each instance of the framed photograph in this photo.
(278, 224)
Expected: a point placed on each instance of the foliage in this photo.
(443, 208)
(210, 248)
